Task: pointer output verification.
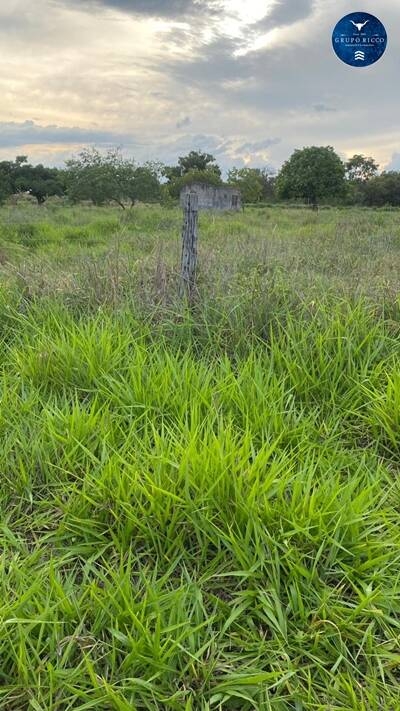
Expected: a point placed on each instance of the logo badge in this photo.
(359, 39)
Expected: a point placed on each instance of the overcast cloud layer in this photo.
(248, 80)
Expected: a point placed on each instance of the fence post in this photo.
(189, 245)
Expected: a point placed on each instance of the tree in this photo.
(100, 178)
(312, 174)
(39, 181)
(144, 185)
(255, 184)
(268, 177)
(110, 177)
(6, 183)
(250, 182)
(197, 160)
(360, 168)
(382, 190)
(10, 173)
(171, 173)
(193, 176)
(196, 166)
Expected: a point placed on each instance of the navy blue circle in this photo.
(359, 39)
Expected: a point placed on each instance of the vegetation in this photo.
(19, 176)
(256, 185)
(198, 161)
(208, 177)
(199, 510)
(110, 178)
(360, 168)
(315, 175)
(196, 167)
(383, 190)
(312, 174)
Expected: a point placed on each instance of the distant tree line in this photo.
(313, 175)
(19, 176)
(317, 174)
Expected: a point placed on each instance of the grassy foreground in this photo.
(200, 511)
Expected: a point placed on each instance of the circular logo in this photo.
(359, 39)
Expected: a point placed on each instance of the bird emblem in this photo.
(359, 25)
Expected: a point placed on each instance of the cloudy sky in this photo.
(248, 80)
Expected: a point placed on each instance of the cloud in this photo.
(287, 12)
(211, 64)
(207, 76)
(186, 121)
(54, 144)
(394, 163)
(322, 108)
(173, 9)
(258, 145)
(30, 133)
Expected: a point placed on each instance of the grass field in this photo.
(200, 509)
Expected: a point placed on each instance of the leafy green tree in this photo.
(144, 185)
(249, 181)
(361, 168)
(6, 186)
(156, 167)
(110, 177)
(171, 173)
(197, 160)
(383, 189)
(99, 177)
(196, 166)
(10, 172)
(268, 178)
(39, 181)
(312, 174)
(194, 176)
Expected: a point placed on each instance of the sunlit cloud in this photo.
(239, 16)
(250, 80)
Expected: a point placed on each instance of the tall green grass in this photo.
(199, 510)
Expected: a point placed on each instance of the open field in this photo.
(200, 510)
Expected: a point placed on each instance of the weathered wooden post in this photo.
(189, 245)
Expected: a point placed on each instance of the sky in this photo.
(246, 80)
